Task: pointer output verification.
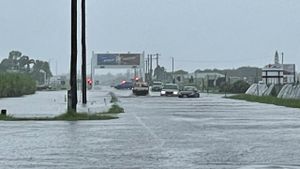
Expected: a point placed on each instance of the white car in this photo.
(170, 90)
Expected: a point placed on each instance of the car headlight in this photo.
(163, 92)
(175, 92)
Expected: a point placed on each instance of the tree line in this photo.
(18, 63)
(19, 74)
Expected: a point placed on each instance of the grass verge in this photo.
(268, 99)
(71, 116)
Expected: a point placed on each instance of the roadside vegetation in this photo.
(111, 113)
(71, 116)
(268, 99)
(20, 74)
(239, 86)
(16, 84)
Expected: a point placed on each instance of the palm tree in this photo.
(22, 62)
(13, 58)
(30, 61)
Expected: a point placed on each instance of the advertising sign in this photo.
(118, 59)
(107, 59)
(289, 69)
(130, 59)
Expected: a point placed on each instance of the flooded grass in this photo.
(268, 99)
(71, 116)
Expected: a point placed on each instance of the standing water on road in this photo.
(154, 132)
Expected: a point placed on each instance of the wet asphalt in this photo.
(161, 132)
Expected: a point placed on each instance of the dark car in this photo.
(189, 91)
(124, 85)
(170, 90)
(157, 86)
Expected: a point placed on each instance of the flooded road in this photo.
(157, 132)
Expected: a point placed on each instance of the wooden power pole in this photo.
(72, 93)
(83, 43)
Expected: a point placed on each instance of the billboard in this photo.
(127, 59)
(289, 69)
(130, 59)
(107, 59)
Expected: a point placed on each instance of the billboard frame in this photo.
(140, 67)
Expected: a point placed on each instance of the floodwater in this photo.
(154, 132)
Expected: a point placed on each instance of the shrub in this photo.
(16, 84)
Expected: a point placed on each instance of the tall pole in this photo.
(83, 43)
(225, 84)
(257, 87)
(173, 70)
(73, 70)
(146, 66)
(148, 59)
(151, 68)
(157, 59)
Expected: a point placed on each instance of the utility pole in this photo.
(151, 70)
(148, 58)
(72, 93)
(146, 66)
(157, 56)
(257, 87)
(207, 87)
(173, 70)
(83, 43)
(225, 84)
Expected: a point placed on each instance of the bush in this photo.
(239, 87)
(16, 84)
(115, 109)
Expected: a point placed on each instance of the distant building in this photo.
(59, 82)
(279, 73)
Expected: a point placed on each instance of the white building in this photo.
(272, 74)
(279, 73)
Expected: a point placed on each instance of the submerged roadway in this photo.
(161, 132)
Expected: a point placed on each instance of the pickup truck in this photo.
(140, 89)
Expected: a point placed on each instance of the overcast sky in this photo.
(199, 34)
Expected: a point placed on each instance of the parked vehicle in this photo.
(189, 91)
(170, 90)
(140, 89)
(157, 86)
(124, 85)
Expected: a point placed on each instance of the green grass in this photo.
(115, 109)
(71, 116)
(268, 99)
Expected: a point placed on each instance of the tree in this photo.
(38, 68)
(22, 63)
(180, 72)
(239, 87)
(160, 73)
(13, 59)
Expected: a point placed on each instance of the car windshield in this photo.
(157, 83)
(170, 87)
(189, 88)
